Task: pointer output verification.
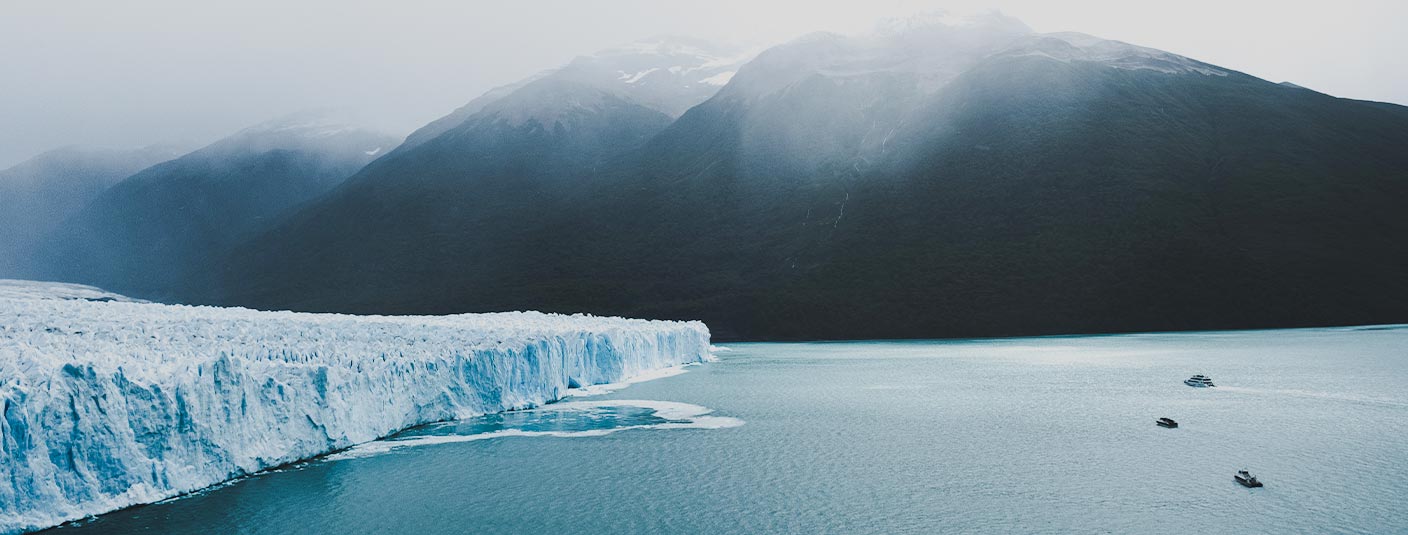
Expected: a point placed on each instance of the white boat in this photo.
(1198, 381)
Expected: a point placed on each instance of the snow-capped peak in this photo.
(317, 129)
(679, 56)
(667, 74)
(1073, 46)
(930, 49)
(312, 123)
(991, 20)
(664, 46)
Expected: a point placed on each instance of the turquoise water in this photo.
(1037, 435)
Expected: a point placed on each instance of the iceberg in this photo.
(108, 402)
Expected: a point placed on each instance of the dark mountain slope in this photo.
(1051, 198)
(1036, 196)
(163, 229)
(40, 193)
(667, 74)
(434, 212)
(1032, 184)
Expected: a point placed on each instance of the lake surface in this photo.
(1034, 435)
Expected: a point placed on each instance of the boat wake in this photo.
(566, 419)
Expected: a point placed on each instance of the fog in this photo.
(142, 72)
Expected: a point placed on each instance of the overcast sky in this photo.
(137, 72)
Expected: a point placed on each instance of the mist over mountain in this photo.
(533, 146)
(40, 193)
(939, 176)
(163, 228)
(668, 74)
(1061, 184)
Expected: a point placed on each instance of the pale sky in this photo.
(138, 72)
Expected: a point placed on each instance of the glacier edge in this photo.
(106, 404)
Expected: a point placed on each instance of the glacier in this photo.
(109, 402)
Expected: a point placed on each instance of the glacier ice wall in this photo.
(106, 403)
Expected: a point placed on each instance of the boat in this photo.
(1246, 479)
(1199, 381)
(1166, 422)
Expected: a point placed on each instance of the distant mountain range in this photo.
(449, 194)
(37, 195)
(938, 177)
(163, 230)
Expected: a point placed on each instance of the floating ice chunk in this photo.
(665, 415)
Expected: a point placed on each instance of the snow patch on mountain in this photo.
(930, 50)
(989, 20)
(720, 79)
(114, 403)
(631, 79)
(662, 73)
(1071, 46)
(925, 51)
(320, 130)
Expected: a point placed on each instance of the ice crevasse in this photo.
(108, 402)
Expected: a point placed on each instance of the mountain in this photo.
(668, 74)
(1063, 184)
(162, 228)
(40, 193)
(529, 148)
(938, 177)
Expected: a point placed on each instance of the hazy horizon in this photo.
(161, 72)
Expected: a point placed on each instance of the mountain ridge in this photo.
(157, 231)
(37, 195)
(931, 179)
